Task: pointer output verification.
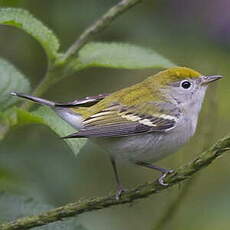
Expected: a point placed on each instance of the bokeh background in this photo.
(189, 33)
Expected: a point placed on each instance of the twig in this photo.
(99, 25)
(141, 191)
(57, 70)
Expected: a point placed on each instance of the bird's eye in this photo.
(186, 84)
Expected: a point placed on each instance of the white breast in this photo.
(148, 147)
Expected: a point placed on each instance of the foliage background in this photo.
(35, 163)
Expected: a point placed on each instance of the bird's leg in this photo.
(164, 172)
(120, 188)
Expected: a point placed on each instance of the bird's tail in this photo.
(74, 119)
(35, 99)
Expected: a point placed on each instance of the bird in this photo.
(142, 123)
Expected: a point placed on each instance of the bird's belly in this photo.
(145, 147)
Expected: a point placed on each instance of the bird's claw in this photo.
(162, 177)
(119, 191)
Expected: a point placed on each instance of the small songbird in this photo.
(142, 123)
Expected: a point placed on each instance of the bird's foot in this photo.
(162, 177)
(120, 190)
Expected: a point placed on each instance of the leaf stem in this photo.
(99, 25)
(141, 191)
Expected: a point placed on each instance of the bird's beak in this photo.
(207, 79)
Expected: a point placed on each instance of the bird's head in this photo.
(182, 85)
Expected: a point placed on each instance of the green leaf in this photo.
(8, 180)
(118, 55)
(22, 19)
(7, 119)
(11, 80)
(46, 116)
(17, 206)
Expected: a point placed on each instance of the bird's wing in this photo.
(119, 120)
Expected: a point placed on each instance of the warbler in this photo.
(142, 123)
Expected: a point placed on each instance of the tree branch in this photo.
(99, 25)
(141, 191)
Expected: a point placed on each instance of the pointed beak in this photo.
(208, 79)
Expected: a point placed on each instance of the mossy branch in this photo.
(139, 192)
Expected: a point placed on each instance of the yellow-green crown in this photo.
(173, 74)
(181, 72)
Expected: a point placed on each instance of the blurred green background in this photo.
(35, 162)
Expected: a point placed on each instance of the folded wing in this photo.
(119, 120)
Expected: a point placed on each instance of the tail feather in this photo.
(35, 99)
(83, 102)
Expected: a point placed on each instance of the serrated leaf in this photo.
(11, 80)
(22, 19)
(118, 55)
(17, 206)
(49, 118)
